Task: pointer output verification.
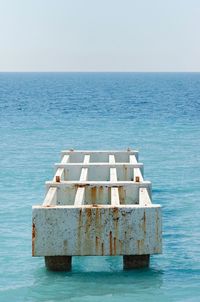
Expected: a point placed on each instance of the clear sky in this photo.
(99, 35)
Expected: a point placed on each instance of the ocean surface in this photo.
(155, 113)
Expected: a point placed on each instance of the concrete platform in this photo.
(97, 204)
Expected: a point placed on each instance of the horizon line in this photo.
(97, 71)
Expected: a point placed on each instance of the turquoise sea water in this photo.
(156, 113)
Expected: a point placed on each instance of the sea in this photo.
(157, 114)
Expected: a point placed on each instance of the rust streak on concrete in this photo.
(97, 244)
(110, 243)
(121, 246)
(97, 217)
(116, 228)
(79, 237)
(140, 246)
(100, 193)
(87, 243)
(144, 223)
(102, 248)
(93, 195)
(33, 238)
(88, 218)
(115, 246)
(121, 195)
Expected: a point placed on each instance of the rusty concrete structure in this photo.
(97, 204)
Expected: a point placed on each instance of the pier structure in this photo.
(98, 204)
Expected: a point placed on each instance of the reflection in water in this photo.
(95, 278)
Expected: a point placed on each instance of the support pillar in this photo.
(58, 263)
(135, 261)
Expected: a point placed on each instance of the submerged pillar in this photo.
(58, 263)
(136, 261)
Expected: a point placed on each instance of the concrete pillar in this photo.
(136, 261)
(58, 263)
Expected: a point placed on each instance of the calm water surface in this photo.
(158, 114)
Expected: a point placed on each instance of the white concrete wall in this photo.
(97, 204)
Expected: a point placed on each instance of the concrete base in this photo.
(136, 261)
(58, 263)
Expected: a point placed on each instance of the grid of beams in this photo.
(114, 172)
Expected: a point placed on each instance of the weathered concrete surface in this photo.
(97, 204)
(87, 230)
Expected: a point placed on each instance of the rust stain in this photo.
(79, 237)
(93, 195)
(97, 244)
(121, 195)
(95, 205)
(33, 239)
(125, 242)
(57, 178)
(137, 179)
(102, 248)
(88, 213)
(115, 246)
(144, 223)
(97, 218)
(87, 241)
(140, 246)
(100, 193)
(84, 233)
(116, 214)
(121, 245)
(116, 227)
(110, 241)
(76, 186)
(88, 218)
(115, 210)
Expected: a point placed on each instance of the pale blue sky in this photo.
(100, 35)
